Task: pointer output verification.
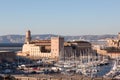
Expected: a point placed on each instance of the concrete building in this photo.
(112, 49)
(114, 42)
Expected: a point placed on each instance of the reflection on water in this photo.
(104, 69)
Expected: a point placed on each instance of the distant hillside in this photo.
(21, 38)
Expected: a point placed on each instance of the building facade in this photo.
(55, 48)
(112, 49)
(77, 49)
(114, 42)
(37, 49)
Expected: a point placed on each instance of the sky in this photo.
(61, 17)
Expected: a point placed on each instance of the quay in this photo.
(57, 77)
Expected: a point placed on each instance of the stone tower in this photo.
(119, 36)
(118, 44)
(57, 47)
(28, 37)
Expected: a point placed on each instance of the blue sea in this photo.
(104, 69)
(11, 46)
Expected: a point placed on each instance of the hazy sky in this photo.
(64, 17)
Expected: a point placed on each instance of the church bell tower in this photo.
(28, 37)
